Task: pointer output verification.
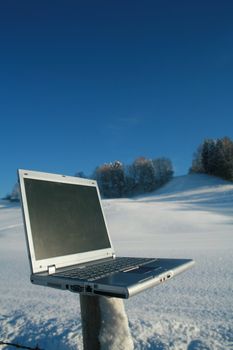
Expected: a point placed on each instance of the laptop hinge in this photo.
(51, 269)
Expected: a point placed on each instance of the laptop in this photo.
(69, 245)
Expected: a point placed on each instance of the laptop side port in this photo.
(170, 274)
(88, 289)
(76, 289)
(163, 278)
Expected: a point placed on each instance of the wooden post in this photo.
(91, 323)
(104, 324)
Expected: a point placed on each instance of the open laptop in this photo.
(69, 245)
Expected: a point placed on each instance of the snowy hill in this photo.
(189, 217)
(197, 188)
(195, 182)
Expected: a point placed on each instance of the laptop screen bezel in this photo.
(66, 260)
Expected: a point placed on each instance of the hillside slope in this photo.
(189, 217)
(199, 189)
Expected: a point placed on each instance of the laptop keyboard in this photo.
(93, 272)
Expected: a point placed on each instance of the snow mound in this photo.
(114, 333)
(198, 191)
(195, 182)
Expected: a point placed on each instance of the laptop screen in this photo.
(65, 218)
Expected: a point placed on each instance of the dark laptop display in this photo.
(65, 218)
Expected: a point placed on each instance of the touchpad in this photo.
(141, 269)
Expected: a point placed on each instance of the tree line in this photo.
(144, 175)
(115, 180)
(214, 157)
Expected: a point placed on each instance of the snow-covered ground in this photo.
(191, 217)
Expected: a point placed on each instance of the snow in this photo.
(114, 332)
(191, 217)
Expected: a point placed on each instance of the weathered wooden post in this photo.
(90, 314)
(104, 324)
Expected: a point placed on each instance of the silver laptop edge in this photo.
(117, 291)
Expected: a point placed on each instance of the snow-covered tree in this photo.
(163, 171)
(118, 175)
(224, 158)
(197, 166)
(111, 179)
(15, 195)
(209, 156)
(215, 157)
(143, 176)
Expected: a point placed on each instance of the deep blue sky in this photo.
(88, 82)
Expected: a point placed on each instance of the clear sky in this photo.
(88, 82)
